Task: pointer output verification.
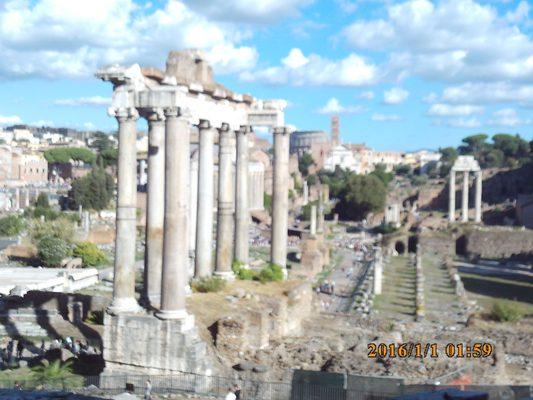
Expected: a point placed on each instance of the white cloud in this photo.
(333, 106)
(64, 38)
(395, 95)
(10, 119)
(84, 101)
(520, 14)
(368, 95)
(295, 59)
(467, 123)
(508, 117)
(447, 110)
(43, 122)
(244, 11)
(89, 126)
(347, 6)
(430, 98)
(453, 40)
(385, 117)
(495, 92)
(353, 70)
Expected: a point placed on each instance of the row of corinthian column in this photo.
(167, 215)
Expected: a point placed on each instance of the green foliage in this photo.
(93, 191)
(306, 210)
(380, 171)
(336, 180)
(419, 180)
(505, 311)
(61, 228)
(448, 154)
(402, 169)
(267, 202)
(244, 274)
(11, 225)
(304, 162)
(209, 285)
(271, 273)
(54, 371)
(90, 254)
(312, 180)
(42, 201)
(363, 194)
(109, 157)
(53, 250)
(95, 318)
(65, 154)
(385, 229)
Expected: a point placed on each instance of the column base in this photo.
(123, 306)
(226, 275)
(176, 315)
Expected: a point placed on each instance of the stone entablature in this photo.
(465, 164)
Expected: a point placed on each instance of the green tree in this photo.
(494, 158)
(403, 169)
(11, 225)
(304, 162)
(449, 154)
(52, 250)
(363, 194)
(380, 171)
(474, 144)
(93, 191)
(65, 154)
(42, 201)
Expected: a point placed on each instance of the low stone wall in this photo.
(500, 243)
(254, 329)
(441, 243)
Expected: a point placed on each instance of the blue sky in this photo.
(403, 75)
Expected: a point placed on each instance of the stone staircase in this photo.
(442, 305)
(397, 300)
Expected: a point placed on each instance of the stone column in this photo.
(465, 197)
(280, 198)
(26, 198)
(242, 212)
(204, 222)
(176, 235)
(124, 270)
(306, 193)
(312, 228)
(479, 183)
(155, 204)
(320, 216)
(224, 255)
(378, 271)
(451, 198)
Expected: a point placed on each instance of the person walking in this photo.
(148, 390)
(230, 395)
(20, 349)
(237, 391)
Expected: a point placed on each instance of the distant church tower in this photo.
(335, 131)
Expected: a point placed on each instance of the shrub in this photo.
(271, 273)
(209, 285)
(244, 274)
(11, 225)
(504, 311)
(90, 254)
(52, 250)
(61, 228)
(95, 318)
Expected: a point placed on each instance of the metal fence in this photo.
(353, 388)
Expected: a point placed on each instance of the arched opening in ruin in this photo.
(460, 245)
(411, 244)
(399, 246)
